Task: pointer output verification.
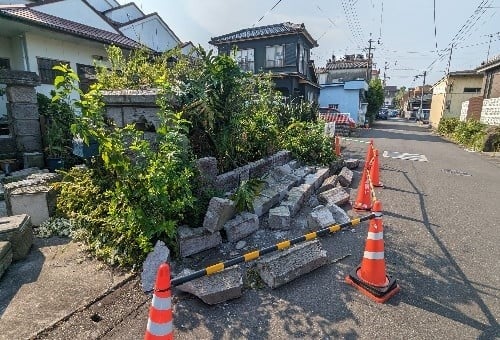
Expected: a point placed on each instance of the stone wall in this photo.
(490, 113)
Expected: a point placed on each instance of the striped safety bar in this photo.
(278, 246)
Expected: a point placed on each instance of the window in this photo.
(333, 106)
(45, 71)
(302, 60)
(4, 64)
(472, 90)
(274, 56)
(245, 59)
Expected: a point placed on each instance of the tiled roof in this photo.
(490, 63)
(285, 28)
(30, 16)
(345, 65)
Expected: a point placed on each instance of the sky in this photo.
(404, 33)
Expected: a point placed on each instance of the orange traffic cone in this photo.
(337, 146)
(374, 171)
(369, 154)
(364, 197)
(370, 277)
(160, 322)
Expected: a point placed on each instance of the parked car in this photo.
(381, 114)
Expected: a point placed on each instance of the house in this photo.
(348, 68)
(389, 94)
(489, 106)
(347, 97)
(450, 91)
(282, 49)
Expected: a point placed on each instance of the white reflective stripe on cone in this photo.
(160, 303)
(375, 236)
(159, 329)
(374, 255)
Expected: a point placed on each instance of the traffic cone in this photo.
(369, 154)
(364, 197)
(337, 146)
(374, 171)
(160, 322)
(370, 277)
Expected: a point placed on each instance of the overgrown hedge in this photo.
(472, 133)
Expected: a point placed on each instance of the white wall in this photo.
(103, 5)
(74, 52)
(75, 10)
(5, 52)
(125, 14)
(151, 33)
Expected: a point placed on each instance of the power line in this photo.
(265, 14)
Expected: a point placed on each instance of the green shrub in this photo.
(246, 193)
(308, 143)
(447, 125)
(491, 140)
(470, 133)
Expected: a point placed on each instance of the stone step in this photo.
(5, 256)
(215, 288)
(19, 232)
(280, 268)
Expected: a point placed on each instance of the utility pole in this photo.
(489, 45)
(422, 96)
(369, 66)
(386, 66)
(443, 105)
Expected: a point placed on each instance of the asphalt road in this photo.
(441, 243)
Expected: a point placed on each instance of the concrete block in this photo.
(337, 196)
(38, 201)
(352, 163)
(220, 210)
(284, 266)
(29, 143)
(304, 171)
(338, 213)
(294, 164)
(329, 183)
(207, 166)
(267, 199)
(317, 178)
(280, 218)
(23, 111)
(195, 240)
(319, 218)
(5, 256)
(336, 166)
(345, 177)
(23, 174)
(159, 255)
(227, 181)
(21, 94)
(241, 226)
(215, 288)
(19, 232)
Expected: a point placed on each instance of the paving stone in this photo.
(19, 232)
(345, 177)
(5, 256)
(195, 240)
(215, 288)
(282, 267)
(352, 163)
(279, 218)
(241, 226)
(219, 211)
(338, 213)
(337, 196)
(329, 183)
(159, 255)
(320, 217)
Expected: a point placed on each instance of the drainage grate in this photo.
(455, 172)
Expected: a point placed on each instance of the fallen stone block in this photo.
(227, 181)
(329, 183)
(336, 166)
(285, 266)
(5, 256)
(37, 201)
(352, 163)
(338, 213)
(317, 178)
(215, 288)
(293, 164)
(195, 240)
(293, 202)
(241, 226)
(279, 218)
(337, 196)
(20, 175)
(304, 171)
(267, 199)
(345, 177)
(19, 232)
(319, 218)
(159, 255)
(219, 211)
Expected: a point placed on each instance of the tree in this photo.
(375, 97)
(398, 98)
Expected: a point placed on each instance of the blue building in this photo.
(347, 97)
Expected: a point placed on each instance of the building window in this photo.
(245, 59)
(333, 106)
(4, 64)
(45, 71)
(274, 56)
(472, 90)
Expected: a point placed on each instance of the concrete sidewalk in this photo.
(56, 280)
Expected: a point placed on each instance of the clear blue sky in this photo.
(403, 31)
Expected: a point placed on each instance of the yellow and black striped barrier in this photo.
(253, 255)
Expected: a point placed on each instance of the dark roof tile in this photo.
(30, 16)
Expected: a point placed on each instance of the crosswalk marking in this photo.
(405, 156)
